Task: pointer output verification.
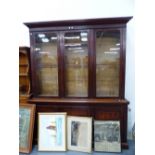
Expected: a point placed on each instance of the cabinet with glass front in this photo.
(78, 61)
(78, 67)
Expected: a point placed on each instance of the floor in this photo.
(130, 151)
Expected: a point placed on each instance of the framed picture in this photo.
(52, 131)
(26, 125)
(107, 136)
(79, 133)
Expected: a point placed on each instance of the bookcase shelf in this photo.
(24, 79)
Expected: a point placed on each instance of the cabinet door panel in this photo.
(46, 59)
(76, 64)
(107, 63)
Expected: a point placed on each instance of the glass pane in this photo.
(47, 63)
(48, 81)
(107, 63)
(76, 64)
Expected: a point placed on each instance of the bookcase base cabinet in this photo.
(101, 109)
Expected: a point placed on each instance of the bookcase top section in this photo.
(97, 21)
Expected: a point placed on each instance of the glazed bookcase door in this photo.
(107, 63)
(76, 64)
(46, 64)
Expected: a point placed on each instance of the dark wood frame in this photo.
(106, 108)
(32, 108)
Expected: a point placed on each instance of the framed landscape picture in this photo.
(52, 131)
(26, 125)
(79, 133)
(107, 136)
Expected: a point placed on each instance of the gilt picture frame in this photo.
(52, 131)
(107, 136)
(26, 127)
(79, 131)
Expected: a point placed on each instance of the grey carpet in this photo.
(130, 151)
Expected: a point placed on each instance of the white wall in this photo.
(49, 10)
(130, 76)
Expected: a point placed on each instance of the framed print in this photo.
(79, 133)
(52, 131)
(107, 136)
(26, 125)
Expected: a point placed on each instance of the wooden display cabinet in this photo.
(78, 67)
(24, 77)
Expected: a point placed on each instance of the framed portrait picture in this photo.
(79, 133)
(107, 136)
(26, 125)
(52, 131)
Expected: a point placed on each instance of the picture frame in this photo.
(107, 136)
(52, 131)
(26, 127)
(79, 131)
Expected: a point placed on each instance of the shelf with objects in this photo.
(24, 76)
(78, 67)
